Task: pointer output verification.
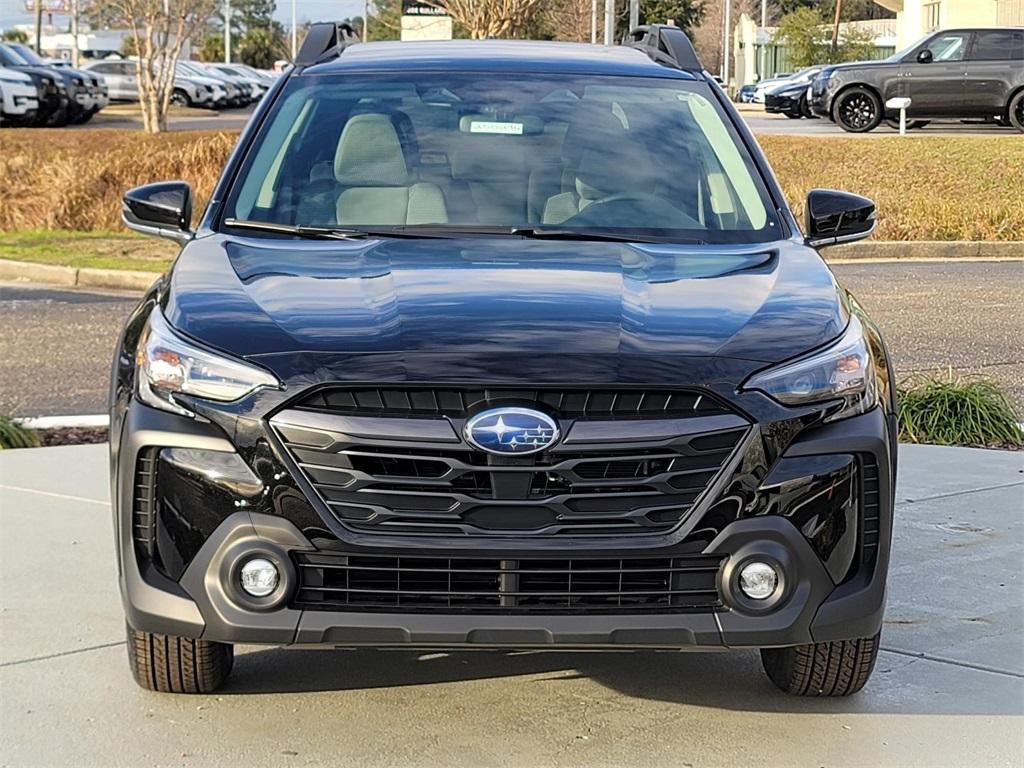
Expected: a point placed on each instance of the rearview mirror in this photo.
(925, 57)
(162, 210)
(837, 217)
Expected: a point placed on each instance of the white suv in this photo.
(19, 99)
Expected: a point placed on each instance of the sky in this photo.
(13, 11)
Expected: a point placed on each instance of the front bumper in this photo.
(816, 604)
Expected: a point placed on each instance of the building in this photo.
(917, 18)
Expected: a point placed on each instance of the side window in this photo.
(998, 45)
(949, 47)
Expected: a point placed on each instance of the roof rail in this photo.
(325, 40)
(665, 44)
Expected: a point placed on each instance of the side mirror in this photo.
(162, 210)
(837, 217)
(925, 57)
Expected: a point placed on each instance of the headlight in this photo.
(168, 364)
(843, 372)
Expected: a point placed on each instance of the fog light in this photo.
(758, 580)
(259, 577)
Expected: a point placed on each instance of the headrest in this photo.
(370, 154)
(518, 125)
(617, 169)
(489, 160)
(592, 125)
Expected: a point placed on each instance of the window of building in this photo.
(932, 16)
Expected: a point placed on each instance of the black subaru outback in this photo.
(501, 345)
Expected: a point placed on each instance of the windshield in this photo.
(28, 55)
(11, 58)
(652, 157)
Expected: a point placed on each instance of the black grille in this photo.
(869, 518)
(330, 581)
(402, 472)
(562, 403)
(144, 502)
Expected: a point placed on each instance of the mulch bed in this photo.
(73, 435)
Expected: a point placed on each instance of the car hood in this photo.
(462, 300)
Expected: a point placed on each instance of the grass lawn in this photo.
(102, 250)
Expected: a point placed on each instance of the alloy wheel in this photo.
(857, 111)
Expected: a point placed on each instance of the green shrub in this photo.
(13, 435)
(952, 411)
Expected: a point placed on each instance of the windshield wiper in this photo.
(338, 233)
(553, 233)
(413, 231)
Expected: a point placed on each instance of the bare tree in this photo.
(492, 18)
(159, 30)
(569, 19)
(708, 37)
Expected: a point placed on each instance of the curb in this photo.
(937, 250)
(65, 422)
(73, 277)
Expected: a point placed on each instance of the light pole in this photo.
(366, 19)
(634, 14)
(593, 21)
(227, 31)
(609, 21)
(764, 43)
(727, 38)
(295, 34)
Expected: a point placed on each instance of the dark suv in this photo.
(953, 74)
(501, 345)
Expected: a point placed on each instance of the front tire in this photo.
(858, 110)
(180, 99)
(1016, 111)
(839, 668)
(172, 664)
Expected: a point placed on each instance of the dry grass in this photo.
(58, 179)
(926, 188)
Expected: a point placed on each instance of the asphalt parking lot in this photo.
(948, 689)
(780, 125)
(755, 116)
(58, 343)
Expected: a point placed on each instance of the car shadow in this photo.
(731, 681)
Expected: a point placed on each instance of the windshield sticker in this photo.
(508, 129)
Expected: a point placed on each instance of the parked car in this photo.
(19, 99)
(97, 95)
(790, 100)
(951, 74)
(762, 88)
(258, 85)
(56, 102)
(423, 377)
(745, 95)
(86, 94)
(122, 78)
(239, 92)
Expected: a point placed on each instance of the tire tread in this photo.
(838, 668)
(172, 664)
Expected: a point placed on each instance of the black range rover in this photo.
(508, 345)
(952, 74)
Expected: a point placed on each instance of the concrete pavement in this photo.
(948, 689)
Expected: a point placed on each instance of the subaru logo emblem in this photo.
(507, 431)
